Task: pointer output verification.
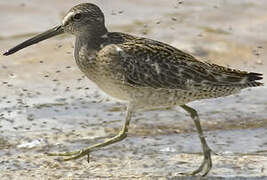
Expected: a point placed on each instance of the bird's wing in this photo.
(149, 63)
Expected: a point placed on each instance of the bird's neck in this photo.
(89, 43)
(92, 39)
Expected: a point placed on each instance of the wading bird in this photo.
(142, 72)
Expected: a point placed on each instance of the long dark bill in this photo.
(40, 37)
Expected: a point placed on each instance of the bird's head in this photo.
(85, 18)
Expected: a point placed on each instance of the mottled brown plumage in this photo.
(153, 74)
(142, 72)
(149, 63)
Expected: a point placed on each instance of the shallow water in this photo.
(46, 104)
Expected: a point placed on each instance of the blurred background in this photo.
(47, 105)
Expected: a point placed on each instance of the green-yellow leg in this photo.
(206, 163)
(86, 152)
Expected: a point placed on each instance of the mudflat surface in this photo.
(47, 105)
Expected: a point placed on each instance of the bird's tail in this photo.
(252, 79)
(233, 77)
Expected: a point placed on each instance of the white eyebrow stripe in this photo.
(67, 17)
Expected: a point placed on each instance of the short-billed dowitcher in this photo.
(142, 72)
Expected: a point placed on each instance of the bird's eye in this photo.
(77, 16)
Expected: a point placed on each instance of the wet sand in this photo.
(47, 105)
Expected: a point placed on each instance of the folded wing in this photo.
(149, 63)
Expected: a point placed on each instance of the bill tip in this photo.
(6, 53)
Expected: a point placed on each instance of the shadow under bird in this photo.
(142, 72)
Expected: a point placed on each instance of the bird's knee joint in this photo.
(122, 135)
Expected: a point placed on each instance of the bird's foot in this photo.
(73, 154)
(204, 168)
(85, 152)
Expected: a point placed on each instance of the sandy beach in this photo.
(48, 105)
